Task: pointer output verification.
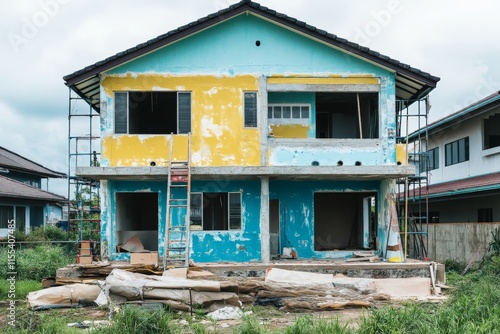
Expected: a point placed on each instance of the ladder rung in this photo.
(178, 185)
(178, 206)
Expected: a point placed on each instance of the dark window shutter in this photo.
(184, 106)
(250, 110)
(121, 112)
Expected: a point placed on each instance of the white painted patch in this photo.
(212, 91)
(196, 157)
(306, 211)
(217, 237)
(237, 237)
(160, 89)
(209, 128)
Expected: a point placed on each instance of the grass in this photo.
(305, 324)
(23, 287)
(136, 320)
(473, 307)
(35, 263)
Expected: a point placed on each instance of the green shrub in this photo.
(35, 263)
(47, 233)
(454, 266)
(494, 245)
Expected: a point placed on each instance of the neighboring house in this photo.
(463, 167)
(21, 196)
(291, 134)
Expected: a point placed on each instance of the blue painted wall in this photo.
(296, 217)
(297, 212)
(229, 48)
(235, 245)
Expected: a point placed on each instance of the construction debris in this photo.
(75, 295)
(180, 293)
(184, 289)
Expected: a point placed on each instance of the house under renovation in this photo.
(248, 135)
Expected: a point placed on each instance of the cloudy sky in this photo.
(43, 40)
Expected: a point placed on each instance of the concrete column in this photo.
(263, 124)
(264, 220)
(105, 220)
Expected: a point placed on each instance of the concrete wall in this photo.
(459, 241)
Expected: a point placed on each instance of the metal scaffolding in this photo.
(83, 151)
(413, 203)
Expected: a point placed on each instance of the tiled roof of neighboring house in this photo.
(12, 161)
(411, 83)
(469, 185)
(478, 107)
(14, 189)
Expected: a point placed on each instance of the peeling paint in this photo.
(217, 77)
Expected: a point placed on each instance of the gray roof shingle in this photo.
(12, 161)
(14, 189)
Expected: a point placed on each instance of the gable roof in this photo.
(475, 109)
(14, 162)
(14, 189)
(411, 83)
(473, 184)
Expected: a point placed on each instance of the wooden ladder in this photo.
(177, 236)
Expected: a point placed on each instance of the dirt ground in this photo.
(273, 319)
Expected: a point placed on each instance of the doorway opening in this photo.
(137, 215)
(345, 220)
(274, 227)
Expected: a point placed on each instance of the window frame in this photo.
(430, 160)
(15, 213)
(454, 155)
(127, 112)
(487, 132)
(199, 227)
(288, 120)
(254, 122)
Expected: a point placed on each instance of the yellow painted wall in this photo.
(290, 130)
(401, 154)
(141, 150)
(218, 136)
